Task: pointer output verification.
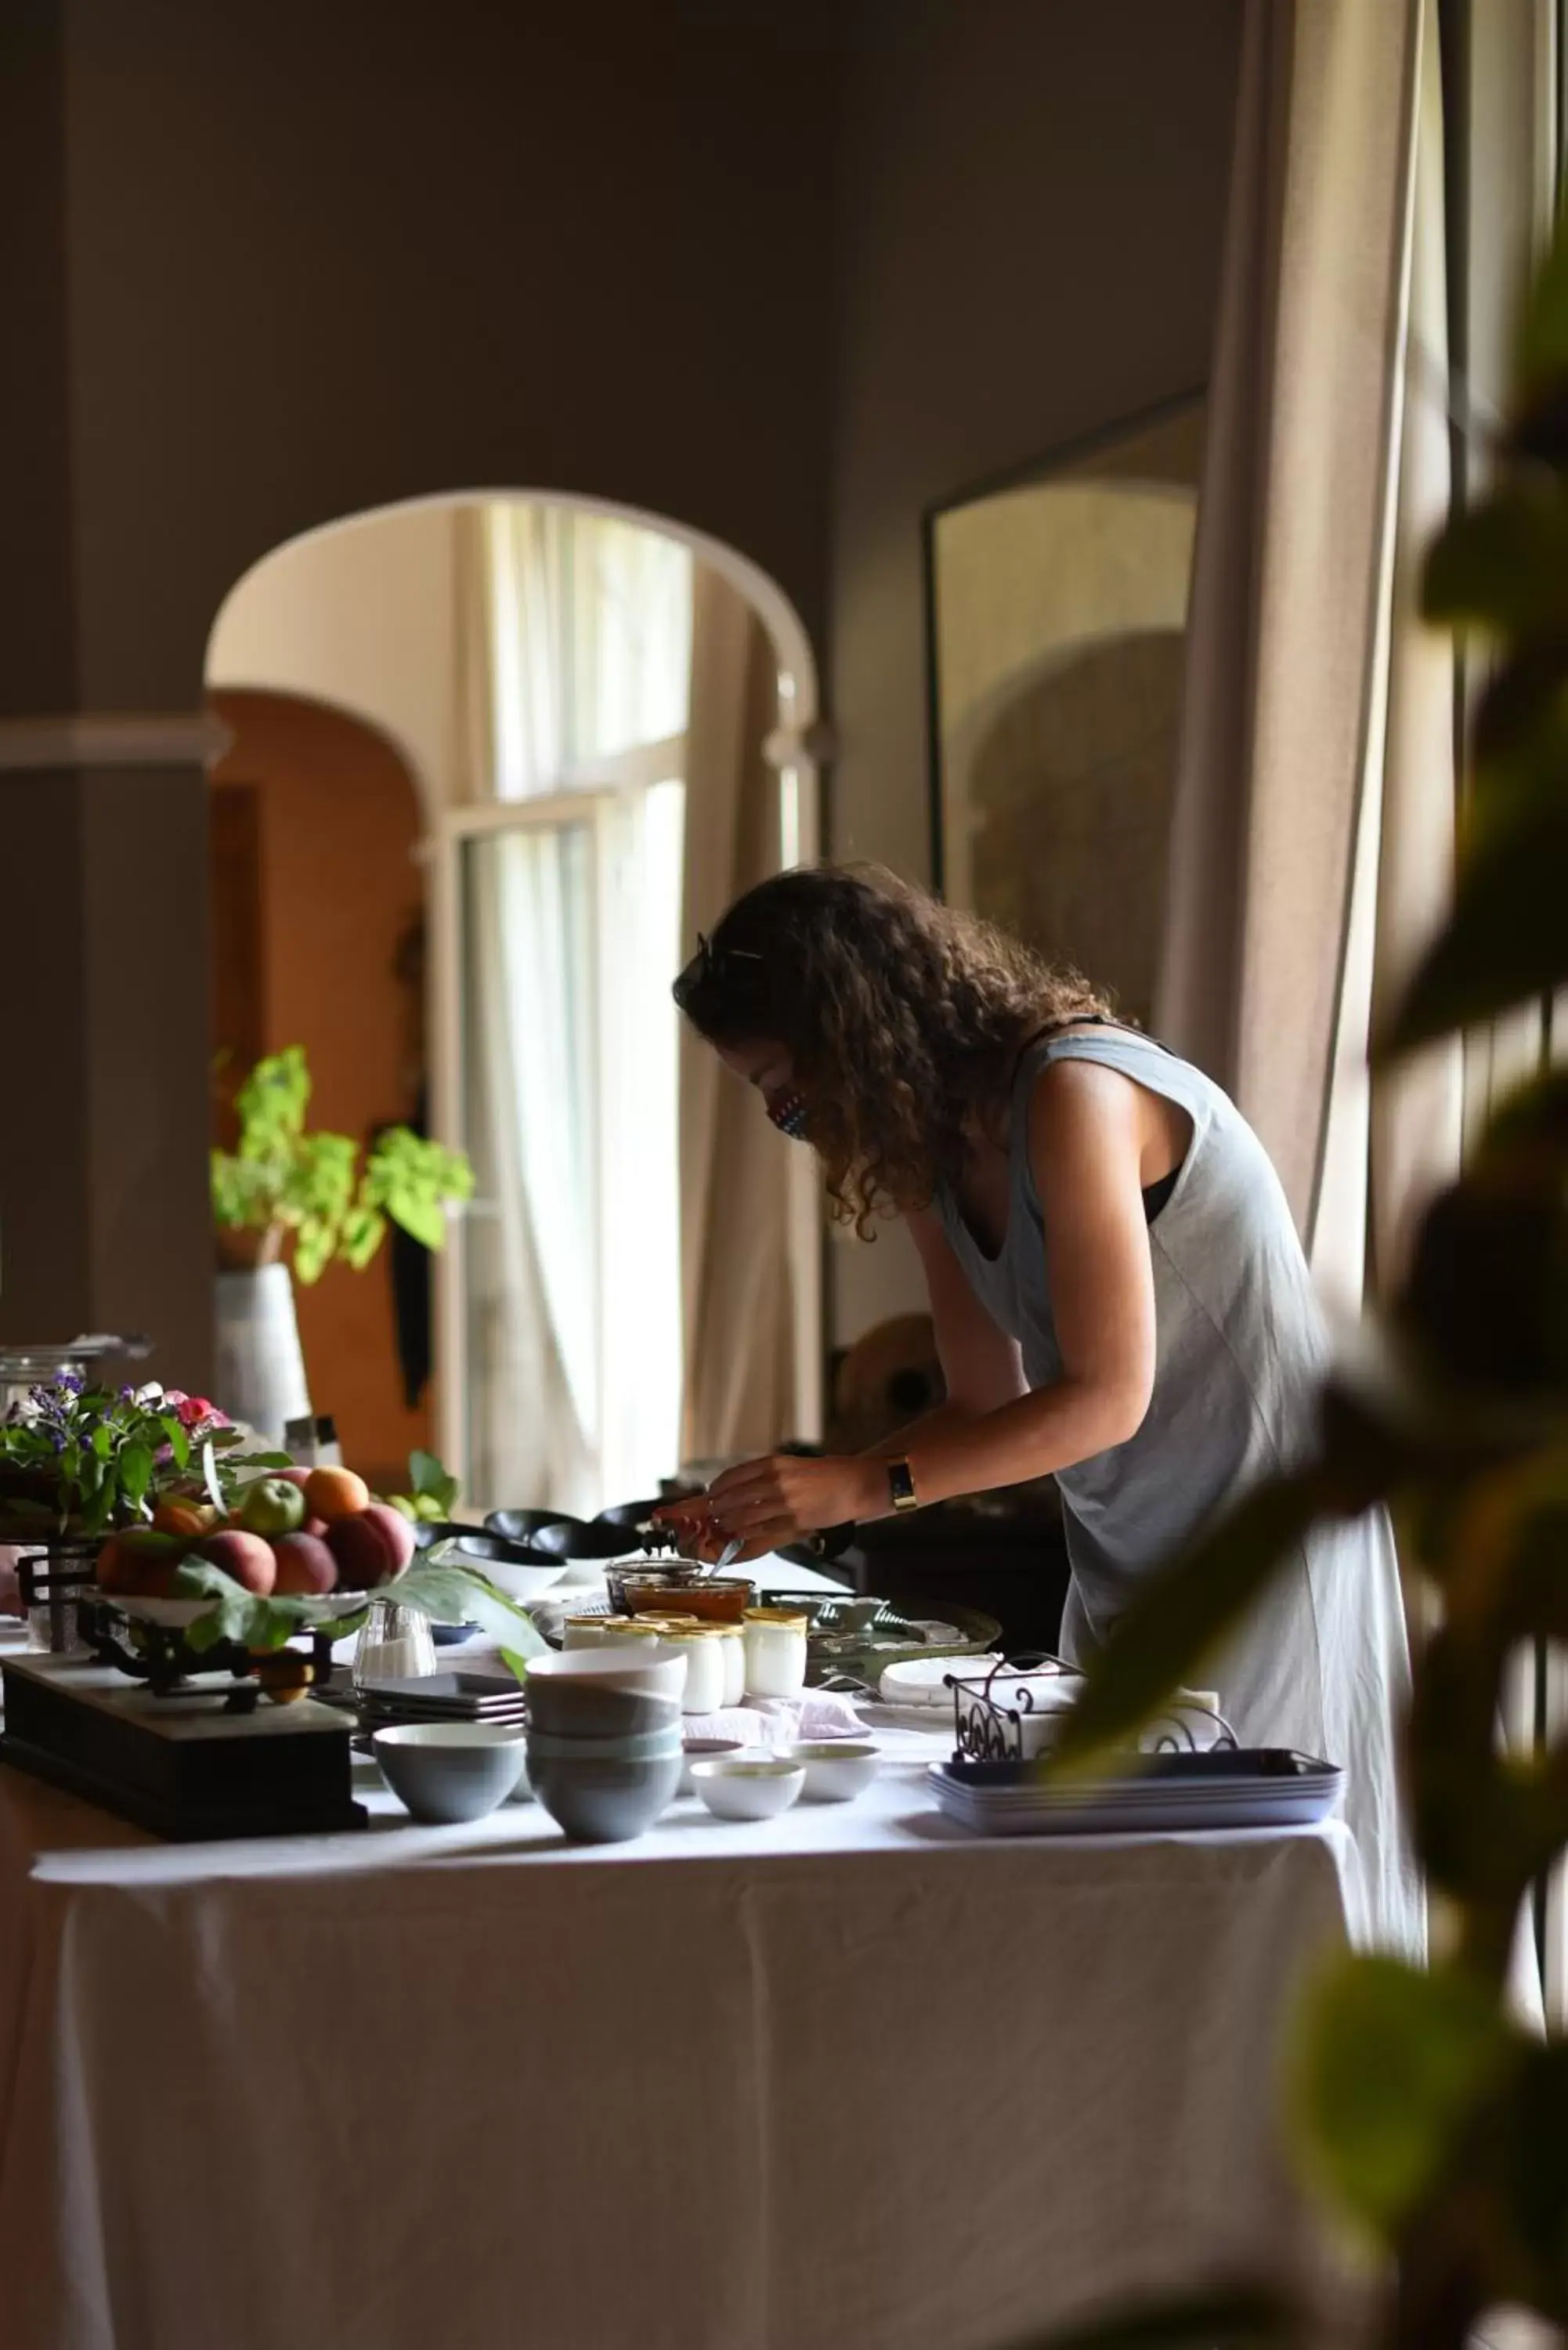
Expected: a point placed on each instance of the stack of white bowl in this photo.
(604, 1737)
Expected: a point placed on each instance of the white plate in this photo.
(922, 1680)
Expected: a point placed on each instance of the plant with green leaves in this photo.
(284, 1183)
(1424, 2111)
(77, 1462)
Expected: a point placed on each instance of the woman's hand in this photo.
(768, 1502)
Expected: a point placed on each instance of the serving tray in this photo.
(1244, 1787)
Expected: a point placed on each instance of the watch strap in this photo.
(901, 1485)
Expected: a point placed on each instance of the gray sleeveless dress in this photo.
(1322, 1664)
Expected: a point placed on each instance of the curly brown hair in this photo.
(905, 1020)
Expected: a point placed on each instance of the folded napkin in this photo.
(780, 1720)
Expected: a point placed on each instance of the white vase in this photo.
(260, 1375)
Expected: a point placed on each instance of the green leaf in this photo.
(1542, 348)
(135, 1471)
(364, 1229)
(431, 1480)
(1486, 1297)
(1240, 2317)
(255, 1623)
(422, 1220)
(1181, 1614)
(1506, 938)
(1503, 565)
(178, 1441)
(102, 1442)
(1390, 2063)
(450, 1594)
(515, 1663)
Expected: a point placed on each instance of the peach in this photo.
(370, 1547)
(305, 1564)
(334, 1493)
(140, 1562)
(248, 1557)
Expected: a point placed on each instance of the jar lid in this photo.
(775, 1616)
(693, 1631)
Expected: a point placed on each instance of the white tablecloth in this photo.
(848, 2079)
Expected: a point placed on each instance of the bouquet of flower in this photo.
(77, 1462)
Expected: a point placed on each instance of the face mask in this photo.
(788, 1113)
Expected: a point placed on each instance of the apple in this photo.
(370, 1547)
(273, 1505)
(305, 1566)
(251, 1561)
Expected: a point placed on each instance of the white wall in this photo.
(361, 616)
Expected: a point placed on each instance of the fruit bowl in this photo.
(175, 1614)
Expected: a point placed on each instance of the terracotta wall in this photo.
(337, 824)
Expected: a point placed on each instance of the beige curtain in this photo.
(1292, 564)
(1417, 1112)
(736, 1299)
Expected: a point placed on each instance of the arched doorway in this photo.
(607, 719)
(302, 796)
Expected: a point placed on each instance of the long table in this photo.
(849, 2078)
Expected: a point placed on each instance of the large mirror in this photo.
(1058, 603)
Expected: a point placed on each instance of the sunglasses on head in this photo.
(711, 963)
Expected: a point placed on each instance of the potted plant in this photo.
(320, 1198)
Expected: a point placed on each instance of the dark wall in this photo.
(1033, 204)
(327, 255)
(790, 270)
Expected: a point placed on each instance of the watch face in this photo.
(901, 1485)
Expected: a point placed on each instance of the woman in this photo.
(1119, 1291)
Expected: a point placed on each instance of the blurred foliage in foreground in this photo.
(1429, 2120)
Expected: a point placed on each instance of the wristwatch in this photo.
(902, 1486)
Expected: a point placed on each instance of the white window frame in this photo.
(598, 788)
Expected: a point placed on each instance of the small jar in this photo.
(733, 1650)
(704, 1655)
(775, 1651)
(600, 1631)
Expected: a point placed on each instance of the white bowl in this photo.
(748, 1791)
(652, 1669)
(837, 1769)
(450, 1771)
(706, 1749)
(517, 1582)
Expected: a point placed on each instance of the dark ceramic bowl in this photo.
(569, 1538)
(521, 1525)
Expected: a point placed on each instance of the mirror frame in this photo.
(1060, 458)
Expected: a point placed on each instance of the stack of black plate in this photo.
(443, 1697)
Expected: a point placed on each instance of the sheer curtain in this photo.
(734, 1171)
(582, 626)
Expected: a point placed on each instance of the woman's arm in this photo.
(1084, 1149)
(982, 1368)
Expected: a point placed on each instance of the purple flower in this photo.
(71, 1381)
